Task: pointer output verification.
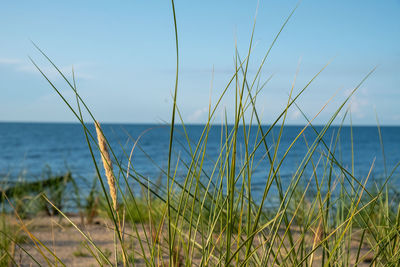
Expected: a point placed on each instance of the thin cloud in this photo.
(53, 73)
(295, 114)
(27, 67)
(198, 115)
(359, 103)
(396, 117)
(10, 61)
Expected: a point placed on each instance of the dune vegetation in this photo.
(327, 215)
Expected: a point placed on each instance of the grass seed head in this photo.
(105, 157)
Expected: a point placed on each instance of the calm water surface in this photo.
(26, 148)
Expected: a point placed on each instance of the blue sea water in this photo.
(27, 148)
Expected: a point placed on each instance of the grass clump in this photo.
(81, 251)
(325, 215)
(11, 237)
(25, 195)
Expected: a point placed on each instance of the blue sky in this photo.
(123, 53)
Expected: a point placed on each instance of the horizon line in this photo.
(192, 123)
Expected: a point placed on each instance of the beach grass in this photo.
(326, 215)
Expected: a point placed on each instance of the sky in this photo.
(123, 54)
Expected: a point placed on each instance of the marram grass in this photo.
(107, 164)
(326, 215)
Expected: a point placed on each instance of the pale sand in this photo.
(65, 241)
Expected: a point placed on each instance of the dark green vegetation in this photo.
(25, 196)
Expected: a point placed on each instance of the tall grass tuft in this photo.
(206, 212)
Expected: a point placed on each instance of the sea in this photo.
(30, 151)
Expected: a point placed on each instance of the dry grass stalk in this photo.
(318, 237)
(105, 157)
